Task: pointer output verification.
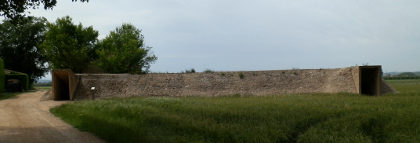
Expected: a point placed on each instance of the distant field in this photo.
(407, 87)
(43, 87)
(284, 118)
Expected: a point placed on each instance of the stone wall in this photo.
(218, 83)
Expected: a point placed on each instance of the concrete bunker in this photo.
(63, 85)
(370, 80)
(358, 80)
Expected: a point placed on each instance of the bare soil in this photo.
(26, 118)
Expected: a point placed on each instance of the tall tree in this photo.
(16, 8)
(19, 46)
(123, 51)
(67, 45)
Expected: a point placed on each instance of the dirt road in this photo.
(27, 119)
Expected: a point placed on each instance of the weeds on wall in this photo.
(189, 71)
(241, 76)
(208, 71)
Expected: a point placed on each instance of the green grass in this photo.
(407, 87)
(287, 118)
(7, 95)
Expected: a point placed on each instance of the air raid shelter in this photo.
(358, 79)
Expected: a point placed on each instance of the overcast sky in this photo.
(230, 35)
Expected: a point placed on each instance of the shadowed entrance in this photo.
(64, 84)
(61, 85)
(370, 80)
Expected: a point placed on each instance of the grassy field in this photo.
(284, 118)
(406, 87)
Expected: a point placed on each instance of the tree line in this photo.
(33, 46)
(403, 75)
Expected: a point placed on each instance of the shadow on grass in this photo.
(7, 95)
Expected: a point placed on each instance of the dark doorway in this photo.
(61, 89)
(370, 80)
(14, 85)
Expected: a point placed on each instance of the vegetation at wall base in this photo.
(208, 71)
(284, 118)
(7, 95)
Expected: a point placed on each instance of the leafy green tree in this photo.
(19, 46)
(15, 8)
(123, 51)
(67, 45)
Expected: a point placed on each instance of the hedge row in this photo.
(399, 78)
(23, 78)
(2, 81)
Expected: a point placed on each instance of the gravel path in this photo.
(27, 119)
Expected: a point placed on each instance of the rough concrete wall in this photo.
(356, 78)
(218, 83)
(73, 83)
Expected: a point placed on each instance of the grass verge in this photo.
(287, 118)
(7, 95)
